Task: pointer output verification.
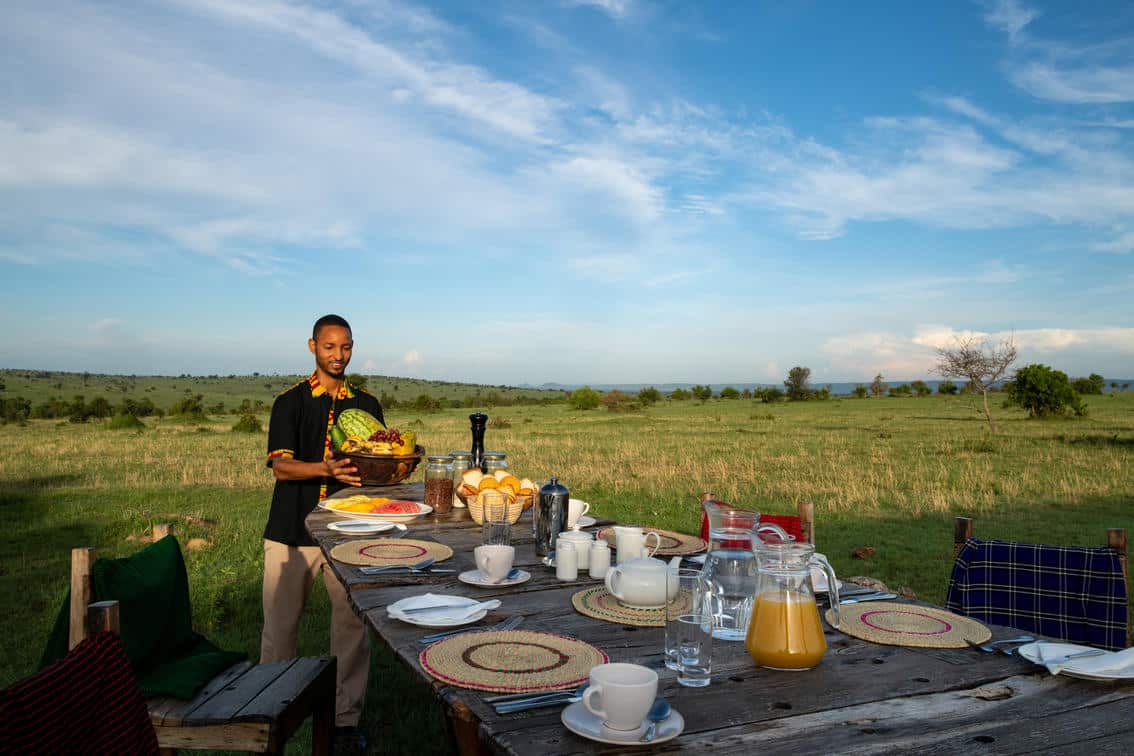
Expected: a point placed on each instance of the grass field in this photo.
(887, 473)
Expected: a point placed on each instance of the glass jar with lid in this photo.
(494, 461)
(439, 483)
(462, 460)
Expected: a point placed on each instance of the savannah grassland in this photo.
(888, 473)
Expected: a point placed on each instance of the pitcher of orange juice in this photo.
(785, 632)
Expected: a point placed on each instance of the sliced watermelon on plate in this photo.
(396, 507)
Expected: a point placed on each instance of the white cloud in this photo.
(1122, 244)
(607, 267)
(1010, 16)
(413, 360)
(615, 8)
(1080, 85)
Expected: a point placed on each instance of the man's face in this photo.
(332, 347)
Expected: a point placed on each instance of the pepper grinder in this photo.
(477, 421)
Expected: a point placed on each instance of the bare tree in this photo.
(979, 361)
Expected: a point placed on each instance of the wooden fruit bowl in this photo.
(383, 469)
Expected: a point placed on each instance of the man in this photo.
(299, 453)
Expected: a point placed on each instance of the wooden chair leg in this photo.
(962, 531)
(323, 727)
(82, 591)
(806, 511)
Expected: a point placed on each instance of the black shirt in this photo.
(300, 429)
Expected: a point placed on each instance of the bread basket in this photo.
(512, 505)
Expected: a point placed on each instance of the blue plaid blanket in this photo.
(1072, 593)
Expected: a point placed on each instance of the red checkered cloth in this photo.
(790, 523)
(88, 702)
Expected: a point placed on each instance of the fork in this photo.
(991, 646)
(509, 624)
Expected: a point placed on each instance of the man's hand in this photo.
(343, 470)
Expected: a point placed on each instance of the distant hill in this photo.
(839, 388)
(231, 391)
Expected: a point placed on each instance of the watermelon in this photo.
(397, 507)
(356, 422)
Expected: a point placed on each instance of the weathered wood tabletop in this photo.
(862, 698)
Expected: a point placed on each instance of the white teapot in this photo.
(643, 583)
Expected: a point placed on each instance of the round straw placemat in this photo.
(600, 604)
(895, 624)
(383, 552)
(672, 544)
(511, 661)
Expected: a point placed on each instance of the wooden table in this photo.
(862, 698)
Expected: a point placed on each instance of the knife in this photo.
(477, 606)
(868, 597)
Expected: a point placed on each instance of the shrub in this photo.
(769, 394)
(947, 387)
(860, 391)
(248, 423)
(728, 392)
(15, 410)
(902, 389)
(426, 403)
(704, 393)
(1044, 392)
(126, 421)
(822, 394)
(679, 395)
(648, 396)
(1092, 384)
(921, 388)
(189, 408)
(616, 401)
(584, 398)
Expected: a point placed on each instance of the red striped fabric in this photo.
(87, 702)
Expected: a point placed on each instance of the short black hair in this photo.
(328, 320)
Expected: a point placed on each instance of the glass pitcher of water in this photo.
(730, 566)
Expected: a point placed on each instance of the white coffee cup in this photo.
(625, 693)
(576, 508)
(494, 561)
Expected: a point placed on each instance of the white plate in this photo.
(585, 521)
(1053, 650)
(360, 527)
(580, 721)
(424, 620)
(472, 577)
(422, 509)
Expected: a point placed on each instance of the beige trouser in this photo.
(289, 572)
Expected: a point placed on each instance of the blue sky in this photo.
(572, 190)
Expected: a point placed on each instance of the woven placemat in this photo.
(895, 624)
(672, 543)
(380, 552)
(598, 603)
(511, 661)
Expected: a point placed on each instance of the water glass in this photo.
(685, 595)
(495, 528)
(694, 637)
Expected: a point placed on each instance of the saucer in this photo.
(585, 521)
(473, 577)
(580, 721)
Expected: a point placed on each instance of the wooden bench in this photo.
(255, 708)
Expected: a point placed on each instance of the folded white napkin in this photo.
(434, 599)
(1114, 662)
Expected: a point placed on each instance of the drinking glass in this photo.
(495, 529)
(694, 649)
(685, 595)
